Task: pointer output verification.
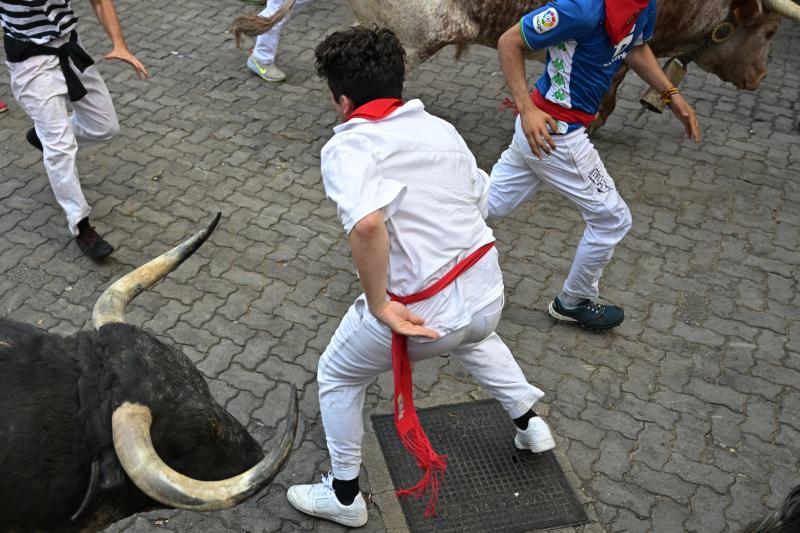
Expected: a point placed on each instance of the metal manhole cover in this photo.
(489, 485)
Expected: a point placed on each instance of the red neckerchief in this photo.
(621, 15)
(376, 109)
(405, 415)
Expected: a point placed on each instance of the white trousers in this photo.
(41, 91)
(267, 43)
(361, 349)
(575, 170)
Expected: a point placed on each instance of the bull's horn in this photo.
(110, 307)
(787, 8)
(255, 25)
(131, 427)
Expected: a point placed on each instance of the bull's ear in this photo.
(746, 11)
(111, 473)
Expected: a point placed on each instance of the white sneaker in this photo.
(536, 438)
(320, 500)
(268, 72)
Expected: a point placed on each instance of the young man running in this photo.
(586, 42)
(412, 201)
(48, 68)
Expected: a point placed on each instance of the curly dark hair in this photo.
(362, 63)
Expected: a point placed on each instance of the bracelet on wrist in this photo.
(667, 94)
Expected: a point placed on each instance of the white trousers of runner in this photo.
(40, 89)
(575, 170)
(267, 43)
(361, 349)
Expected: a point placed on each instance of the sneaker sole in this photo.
(537, 447)
(564, 318)
(558, 316)
(355, 522)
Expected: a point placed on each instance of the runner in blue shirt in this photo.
(586, 42)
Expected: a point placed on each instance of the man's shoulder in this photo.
(349, 141)
(562, 19)
(589, 10)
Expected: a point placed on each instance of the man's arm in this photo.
(107, 15)
(369, 241)
(511, 51)
(644, 63)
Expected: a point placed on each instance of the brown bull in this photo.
(683, 28)
(741, 28)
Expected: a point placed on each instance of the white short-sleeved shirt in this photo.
(417, 169)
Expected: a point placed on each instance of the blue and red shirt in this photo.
(581, 59)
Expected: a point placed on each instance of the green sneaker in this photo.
(588, 314)
(267, 72)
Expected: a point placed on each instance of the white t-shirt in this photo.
(417, 169)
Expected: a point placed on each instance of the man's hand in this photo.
(401, 320)
(123, 54)
(534, 124)
(686, 115)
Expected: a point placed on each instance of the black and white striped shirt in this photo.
(39, 21)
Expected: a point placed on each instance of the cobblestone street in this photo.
(686, 417)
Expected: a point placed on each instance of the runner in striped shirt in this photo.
(38, 21)
(48, 68)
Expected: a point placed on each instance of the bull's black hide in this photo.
(57, 396)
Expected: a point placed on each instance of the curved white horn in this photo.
(131, 428)
(787, 8)
(110, 307)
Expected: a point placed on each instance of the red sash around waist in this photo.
(570, 116)
(405, 415)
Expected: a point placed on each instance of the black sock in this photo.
(522, 422)
(346, 491)
(83, 225)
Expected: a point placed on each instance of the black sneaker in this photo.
(90, 243)
(33, 139)
(588, 314)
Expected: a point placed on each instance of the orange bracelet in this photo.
(666, 96)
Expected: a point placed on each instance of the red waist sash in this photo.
(570, 116)
(405, 415)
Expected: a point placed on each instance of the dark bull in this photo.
(111, 422)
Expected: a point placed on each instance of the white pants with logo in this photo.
(361, 349)
(39, 87)
(575, 170)
(267, 44)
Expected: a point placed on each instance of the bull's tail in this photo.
(255, 25)
(461, 49)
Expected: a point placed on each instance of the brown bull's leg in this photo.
(609, 100)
